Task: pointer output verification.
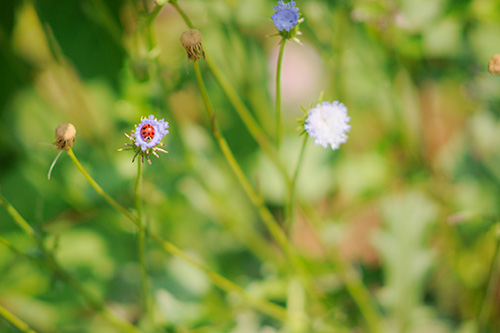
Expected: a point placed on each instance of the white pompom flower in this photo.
(327, 124)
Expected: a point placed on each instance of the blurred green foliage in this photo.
(411, 200)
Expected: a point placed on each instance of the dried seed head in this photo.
(191, 40)
(494, 65)
(65, 136)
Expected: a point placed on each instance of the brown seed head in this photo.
(494, 65)
(191, 40)
(65, 136)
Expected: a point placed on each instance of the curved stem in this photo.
(352, 281)
(246, 116)
(12, 319)
(52, 264)
(20, 221)
(141, 249)
(291, 190)
(253, 127)
(485, 307)
(279, 128)
(223, 283)
(181, 13)
(272, 225)
(101, 192)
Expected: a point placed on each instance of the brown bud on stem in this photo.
(65, 136)
(191, 40)
(494, 65)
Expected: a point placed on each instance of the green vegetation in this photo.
(245, 225)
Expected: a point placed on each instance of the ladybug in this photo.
(147, 132)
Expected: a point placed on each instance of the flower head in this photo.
(65, 136)
(286, 15)
(191, 41)
(327, 124)
(146, 137)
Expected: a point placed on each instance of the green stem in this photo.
(20, 325)
(272, 225)
(353, 282)
(100, 191)
(279, 129)
(181, 13)
(485, 307)
(103, 16)
(246, 116)
(141, 249)
(291, 190)
(359, 293)
(253, 127)
(223, 283)
(151, 17)
(52, 264)
(20, 221)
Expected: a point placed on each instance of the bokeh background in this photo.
(411, 200)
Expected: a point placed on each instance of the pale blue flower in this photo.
(286, 15)
(327, 124)
(159, 129)
(147, 137)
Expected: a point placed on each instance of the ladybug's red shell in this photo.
(147, 132)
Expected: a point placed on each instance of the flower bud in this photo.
(494, 65)
(65, 136)
(191, 41)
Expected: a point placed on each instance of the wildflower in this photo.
(65, 136)
(146, 138)
(191, 41)
(286, 18)
(327, 124)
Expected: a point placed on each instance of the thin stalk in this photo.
(352, 281)
(279, 128)
(12, 319)
(151, 16)
(20, 221)
(181, 13)
(359, 293)
(100, 191)
(272, 225)
(52, 264)
(246, 116)
(141, 249)
(485, 308)
(260, 304)
(291, 190)
(253, 127)
(225, 284)
(103, 15)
